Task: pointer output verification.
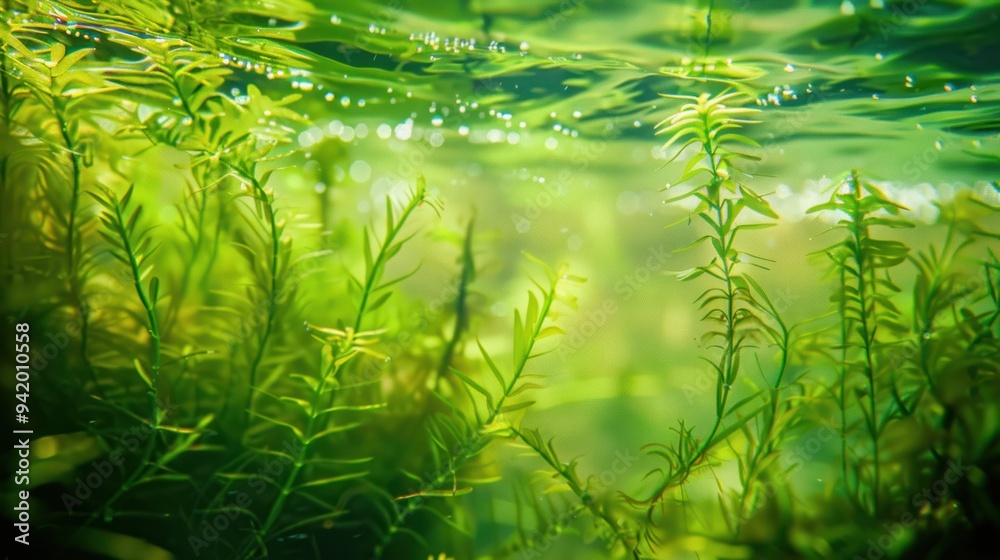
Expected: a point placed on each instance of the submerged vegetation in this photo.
(244, 346)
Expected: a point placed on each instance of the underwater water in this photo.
(578, 279)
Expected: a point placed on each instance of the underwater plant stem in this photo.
(726, 240)
(71, 243)
(859, 232)
(150, 309)
(927, 307)
(708, 34)
(185, 283)
(585, 498)
(470, 448)
(213, 256)
(76, 185)
(461, 310)
(765, 444)
(286, 488)
(386, 251)
(525, 356)
(371, 284)
(844, 336)
(465, 277)
(726, 375)
(178, 92)
(272, 305)
(372, 278)
(155, 363)
(754, 464)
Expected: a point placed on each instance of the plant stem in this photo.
(461, 310)
(286, 489)
(374, 274)
(271, 296)
(581, 493)
(150, 308)
(844, 370)
(59, 110)
(765, 445)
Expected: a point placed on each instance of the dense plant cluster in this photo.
(242, 395)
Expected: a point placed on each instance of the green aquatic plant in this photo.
(267, 241)
(952, 348)
(457, 439)
(910, 374)
(51, 100)
(323, 418)
(133, 248)
(567, 475)
(944, 294)
(704, 27)
(773, 427)
(540, 518)
(461, 305)
(709, 123)
(51, 96)
(178, 85)
(131, 245)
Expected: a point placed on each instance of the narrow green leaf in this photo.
(142, 373)
(475, 386)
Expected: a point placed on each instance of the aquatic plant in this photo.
(708, 124)
(456, 439)
(247, 362)
(614, 531)
(864, 310)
